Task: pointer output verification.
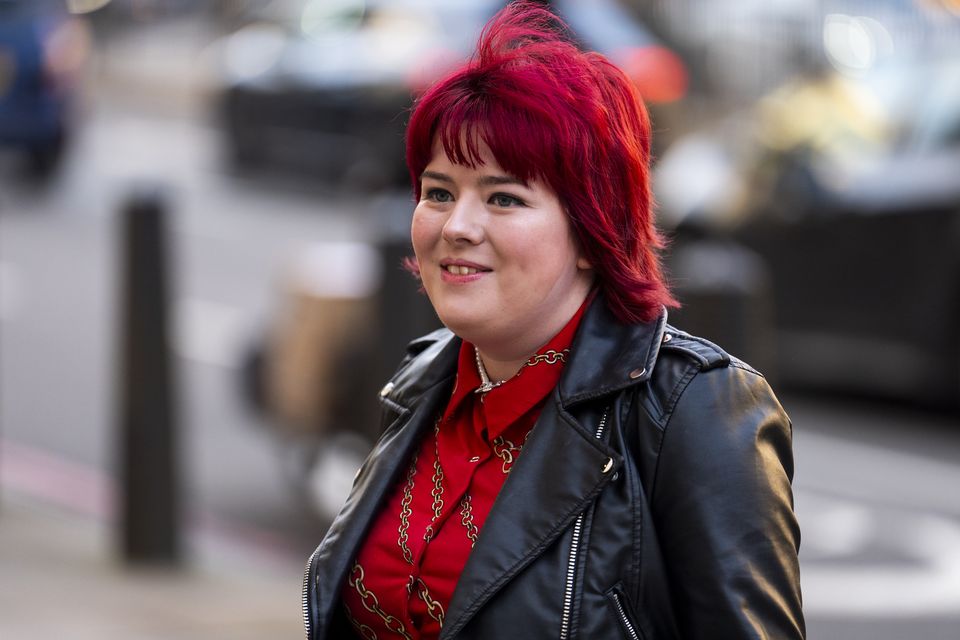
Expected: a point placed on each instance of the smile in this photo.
(460, 270)
(459, 267)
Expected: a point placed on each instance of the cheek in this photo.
(423, 232)
(544, 250)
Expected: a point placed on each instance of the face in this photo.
(498, 258)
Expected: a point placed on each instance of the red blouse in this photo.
(404, 575)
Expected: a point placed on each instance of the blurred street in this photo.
(61, 581)
(875, 480)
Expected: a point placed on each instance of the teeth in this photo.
(459, 270)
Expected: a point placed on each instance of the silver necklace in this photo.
(485, 384)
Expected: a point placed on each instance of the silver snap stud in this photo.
(636, 373)
(387, 388)
(608, 466)
(667, 337)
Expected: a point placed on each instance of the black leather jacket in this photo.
(652, 499)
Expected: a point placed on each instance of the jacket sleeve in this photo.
(723, 509)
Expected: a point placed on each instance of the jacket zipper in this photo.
(572, 560)
(306, 593)
(631, 630)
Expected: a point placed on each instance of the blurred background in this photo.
(203, 206)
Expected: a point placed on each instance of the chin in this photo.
(465, 325)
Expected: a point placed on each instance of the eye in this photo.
(438, 195)
(506, 200)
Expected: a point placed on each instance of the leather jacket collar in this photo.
(606, 356)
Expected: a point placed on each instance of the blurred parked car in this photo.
(42, 52)
(848, 188)
(322, 88)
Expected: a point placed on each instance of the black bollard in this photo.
(148, 474)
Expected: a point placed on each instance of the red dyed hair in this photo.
(569, 118)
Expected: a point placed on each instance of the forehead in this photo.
(467, 149)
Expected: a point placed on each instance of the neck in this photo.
(502, 360)
(499, 370)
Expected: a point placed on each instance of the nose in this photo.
(464, 225)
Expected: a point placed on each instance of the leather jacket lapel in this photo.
(562, 468)
(374, 481)
(608, 356)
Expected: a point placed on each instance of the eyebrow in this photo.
(484, 181)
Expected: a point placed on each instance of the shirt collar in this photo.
(502, 406)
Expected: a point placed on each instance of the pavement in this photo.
(60, 578)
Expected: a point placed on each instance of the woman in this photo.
(558, 461)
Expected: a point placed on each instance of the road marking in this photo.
(834, 528)
(859, 498)
(927, 584)
(867, 472)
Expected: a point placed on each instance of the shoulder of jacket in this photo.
(704, 353)
(681, 358)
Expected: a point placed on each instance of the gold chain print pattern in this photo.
(434, 608)
(437, 491)
(506, 451)
(466, 519)
(372, 604)
(550, 357)
(405, 512)
(365, 632)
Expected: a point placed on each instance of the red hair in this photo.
(569, 118)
